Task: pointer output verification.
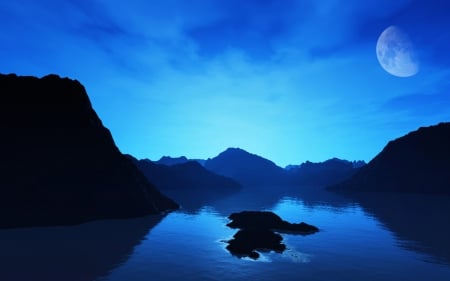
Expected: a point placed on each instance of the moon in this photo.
(396, 54)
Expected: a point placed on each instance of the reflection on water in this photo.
(83, 253)
(352, 245)
(419, 222)
(357, 241)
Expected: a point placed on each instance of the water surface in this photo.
(353, 244)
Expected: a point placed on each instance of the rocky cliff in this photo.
(59, 164)
(418, 162)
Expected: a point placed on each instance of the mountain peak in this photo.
(245, 167)
(235, 150)
(170, 161)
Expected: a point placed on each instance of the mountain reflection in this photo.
(84, 252)
(254, 199)
(419, 221)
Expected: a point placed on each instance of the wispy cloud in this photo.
(421, 106)
(284, 70)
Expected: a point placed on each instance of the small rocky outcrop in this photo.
(259, 231)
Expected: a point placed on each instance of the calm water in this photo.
(188, 245)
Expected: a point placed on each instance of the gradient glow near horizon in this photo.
(288, 80)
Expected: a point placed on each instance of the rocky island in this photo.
(258, 232)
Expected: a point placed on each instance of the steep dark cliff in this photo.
(59, 164)
(416, 163)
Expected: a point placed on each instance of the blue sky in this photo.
(288, 80)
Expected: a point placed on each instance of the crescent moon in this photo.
(396, 54)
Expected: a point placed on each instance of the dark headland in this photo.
(60, 165)
(418, 162)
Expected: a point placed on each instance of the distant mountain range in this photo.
(252, 170)
(418, 162)
(324, 173)
(354, 164)
(59, 163)
(187, 182)
(169, 161)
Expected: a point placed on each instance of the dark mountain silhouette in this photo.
(170, 161)
(189, 183)
(200, 161)
(246, 168)
(59, 163)
(290, 167)
(331, 171)
(418, 162)
(253, 170)
(83, 252)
